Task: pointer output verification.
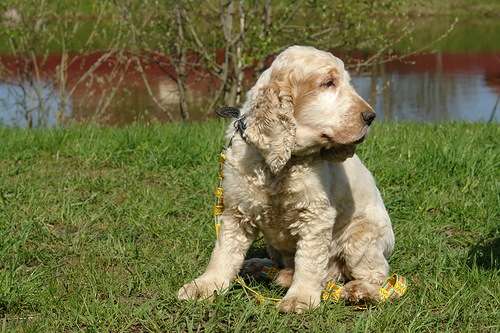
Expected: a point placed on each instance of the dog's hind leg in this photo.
(277, 262)
(257, 267)
(284, 278)
(365, 260)
(367, 277)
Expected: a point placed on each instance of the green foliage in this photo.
(151, 24)
(100, 227)
(41, 26)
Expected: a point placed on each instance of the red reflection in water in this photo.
(448, 63)
(121, 75)
(93, 79)
(487, 64)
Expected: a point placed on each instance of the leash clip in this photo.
(228, 112)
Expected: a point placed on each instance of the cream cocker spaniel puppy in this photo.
(293, 176)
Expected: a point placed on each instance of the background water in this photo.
(437, 87)
(459, 80)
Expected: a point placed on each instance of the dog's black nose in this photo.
(368, 116)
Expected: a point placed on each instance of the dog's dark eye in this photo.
(328, 84)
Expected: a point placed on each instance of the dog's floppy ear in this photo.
(271, 125)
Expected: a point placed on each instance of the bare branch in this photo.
(150, 91)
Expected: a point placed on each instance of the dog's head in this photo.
(304, 104)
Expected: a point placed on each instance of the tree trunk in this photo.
(180, 61)
(266, 30)
(227, 12)
(238, 61)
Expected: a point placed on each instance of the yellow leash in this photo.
(239, 127)
(258, 296)
(219, 194)
(394, 287)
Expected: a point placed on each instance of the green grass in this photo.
(100, 227)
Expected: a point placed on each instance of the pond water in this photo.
(448, 84)
(436, 87)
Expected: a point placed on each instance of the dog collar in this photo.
(240, 124)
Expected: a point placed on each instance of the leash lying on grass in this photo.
(394, 287)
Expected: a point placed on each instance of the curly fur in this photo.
(297, 181)
(271, 126)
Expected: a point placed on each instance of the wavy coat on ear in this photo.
(271, 125)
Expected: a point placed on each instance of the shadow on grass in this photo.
(486, 253)
(257, 251)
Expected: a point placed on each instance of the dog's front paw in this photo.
(201, 288)
(299, 302)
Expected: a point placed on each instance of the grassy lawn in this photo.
(100, 227)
